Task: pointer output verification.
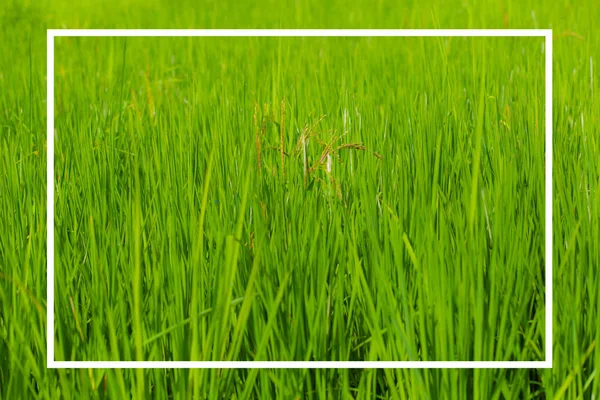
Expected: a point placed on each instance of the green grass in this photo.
(410, 147)
(184, 232)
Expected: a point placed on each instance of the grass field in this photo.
(299, 199)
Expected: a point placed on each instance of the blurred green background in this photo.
(575, 374)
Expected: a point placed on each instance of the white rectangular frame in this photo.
(52, 33)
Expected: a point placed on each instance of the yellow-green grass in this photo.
(427, 146)
(374, 260)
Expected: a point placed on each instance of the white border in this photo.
(52, 33)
